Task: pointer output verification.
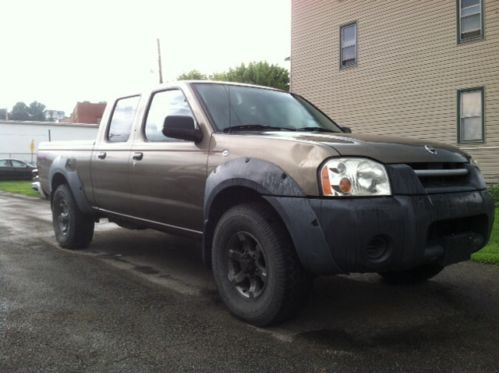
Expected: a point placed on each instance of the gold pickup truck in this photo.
(277, 191)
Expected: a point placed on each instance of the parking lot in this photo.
(143, 301)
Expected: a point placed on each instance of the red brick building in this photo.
(87, 112)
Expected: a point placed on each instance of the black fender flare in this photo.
(263, 177)
(287, 199)
(66, 168)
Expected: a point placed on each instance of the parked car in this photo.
(14, 169)
(277, 191)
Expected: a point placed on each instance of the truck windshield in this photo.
(234, 107)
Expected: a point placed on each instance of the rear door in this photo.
(168, 175)
(111, 158)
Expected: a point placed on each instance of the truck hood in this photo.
(381, 148)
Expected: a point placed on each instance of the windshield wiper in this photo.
(316, 129)
(255, 127)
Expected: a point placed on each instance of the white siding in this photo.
(16, 137)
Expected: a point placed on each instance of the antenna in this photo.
(159, 62)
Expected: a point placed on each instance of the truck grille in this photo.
(443, 177)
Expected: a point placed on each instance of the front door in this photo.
(168, 175)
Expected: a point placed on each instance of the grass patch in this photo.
(494, 192)
(490, 253)
(20, 187)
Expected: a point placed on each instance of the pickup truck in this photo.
(275, 189)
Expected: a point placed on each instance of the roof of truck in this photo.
(182, 82)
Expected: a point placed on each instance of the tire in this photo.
(73, 229)
(256, 270)
(412, 276)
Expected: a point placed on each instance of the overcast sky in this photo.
(60, 52)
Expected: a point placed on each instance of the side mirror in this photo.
(346, 129)
(181, 127)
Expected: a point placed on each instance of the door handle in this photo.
(101, 155)
(137, 156)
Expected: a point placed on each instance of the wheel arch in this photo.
(239, 181)
(62, 171)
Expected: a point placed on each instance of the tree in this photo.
(36, 111)
(261, 73)
(20, 111)
(3, 114)
(192, 75)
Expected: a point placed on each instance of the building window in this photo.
(470, 20)
(470, 115)
(348, 48)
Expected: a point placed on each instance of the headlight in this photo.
(342, 177)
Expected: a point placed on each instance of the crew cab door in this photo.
(168, 175)
(110, 164)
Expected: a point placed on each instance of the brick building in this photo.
(88, 112)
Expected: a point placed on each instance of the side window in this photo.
(470, 104)
(163, 104)
(18, 164)
(4, 163)
(122, 119)
(348, 47)
(470, 20)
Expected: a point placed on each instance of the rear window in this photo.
(122, 118)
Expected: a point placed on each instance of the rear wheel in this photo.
(255, 267)
(412, 276)
(73, 229)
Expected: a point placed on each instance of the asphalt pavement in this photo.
(140, 301)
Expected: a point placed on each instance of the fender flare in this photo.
(66, 167)
(263, 177)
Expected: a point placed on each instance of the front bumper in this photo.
(386, 233)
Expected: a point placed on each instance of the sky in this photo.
(59, 52)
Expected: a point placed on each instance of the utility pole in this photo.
(159, 62)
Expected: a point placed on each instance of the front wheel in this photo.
(255, 267)
(73, 229)
(412, 276)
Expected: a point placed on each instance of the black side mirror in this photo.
(346, 129)
(181, 127)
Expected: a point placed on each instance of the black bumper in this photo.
(386, 233)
